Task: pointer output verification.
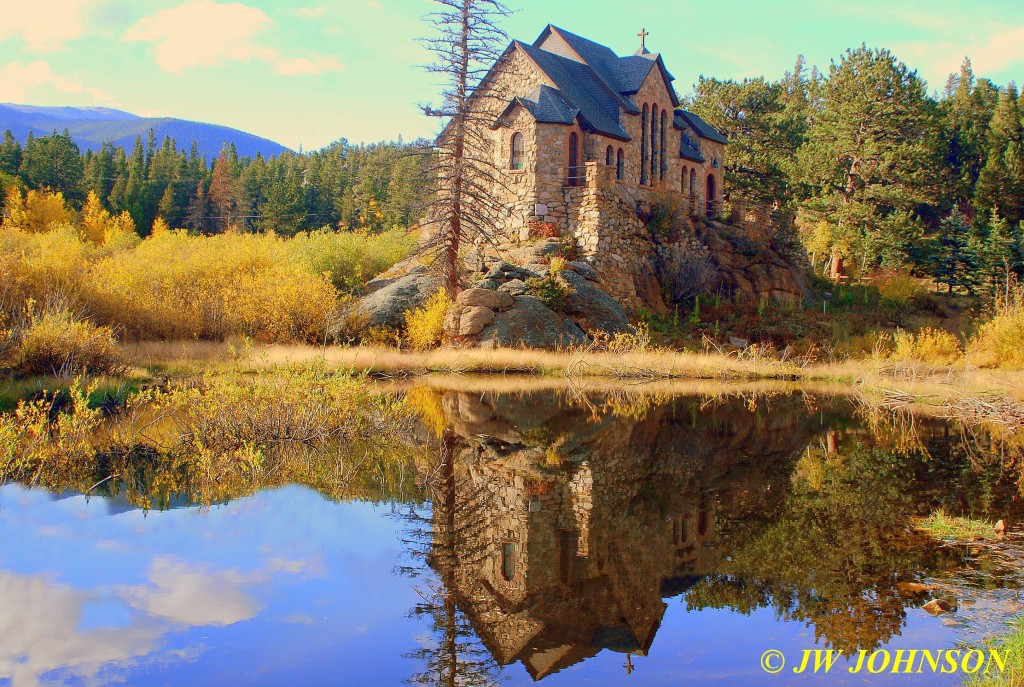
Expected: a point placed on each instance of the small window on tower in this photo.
(609, 156)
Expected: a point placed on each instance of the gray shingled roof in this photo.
(582, 89)
(688, 149)
(703, 129)
(546, 105)
(630, 72)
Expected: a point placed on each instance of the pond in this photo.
(554, 535)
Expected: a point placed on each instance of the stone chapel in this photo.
(587, 139)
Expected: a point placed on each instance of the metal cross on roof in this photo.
(643, 38)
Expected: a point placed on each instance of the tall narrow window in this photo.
(573, 176)
(654, 144)
(683, 182)
(664, 160)
(518, 148)
(508, 562)
(609, 156)
(620, 164)
(644, 137)
(711, 195)
(693, 182)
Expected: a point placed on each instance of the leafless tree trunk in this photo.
(468, 43)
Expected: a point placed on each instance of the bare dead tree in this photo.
(468, 47)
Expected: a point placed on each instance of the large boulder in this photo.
(496, 300)
(387, 300)
(531, 324)
(591, 308)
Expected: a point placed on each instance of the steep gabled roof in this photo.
(547, 106)
(609, 66)
(582, 89)
(703, 129)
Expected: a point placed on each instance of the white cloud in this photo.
(993, 51)
(21, 83)
(43, 26)
(203, 33)
(311, 12)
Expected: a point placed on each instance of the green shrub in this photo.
(550, 290)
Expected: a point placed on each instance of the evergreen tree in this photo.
(54, 162)
(1001, 180)
(868, 156)
(10, 154)
(955, 262)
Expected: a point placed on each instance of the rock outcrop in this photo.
(386, 299)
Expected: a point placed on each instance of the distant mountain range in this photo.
(90, 127)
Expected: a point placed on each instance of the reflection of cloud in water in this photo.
(41, 621)
(192, 595)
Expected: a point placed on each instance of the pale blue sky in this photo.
(311, 71)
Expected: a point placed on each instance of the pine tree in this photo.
(197, 215)
(54, 162)
(10, 154)
(1001, 181)
(223, 193)
(955, 262)
(868, 158)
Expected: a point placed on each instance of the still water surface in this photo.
(575, 540)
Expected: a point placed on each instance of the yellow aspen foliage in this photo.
(160, 227)
(42, 210)
(96, 221)
(14, 208)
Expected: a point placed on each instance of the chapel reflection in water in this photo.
(561, 528)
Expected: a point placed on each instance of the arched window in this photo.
(693, 182)
(573, 177)
(664, 160)
(654, 144)
(508, 562)
(620, 164)
(644, 153)
(518, 148)
(609, 156)
(683, 182)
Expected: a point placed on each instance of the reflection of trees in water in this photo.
(794, 507)
(835, 552)
(454, 655)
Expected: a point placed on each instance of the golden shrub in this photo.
(37, 211)
(55, 342)
(178, 286)
(998, 341)
(930, 345)
(175, 285)
(424, 326)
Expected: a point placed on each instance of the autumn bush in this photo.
(998, 342)
(929, 345)
(54, 342)
(424, 326)
(175, 285)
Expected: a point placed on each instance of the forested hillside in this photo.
(880, 172)
(343, 186)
